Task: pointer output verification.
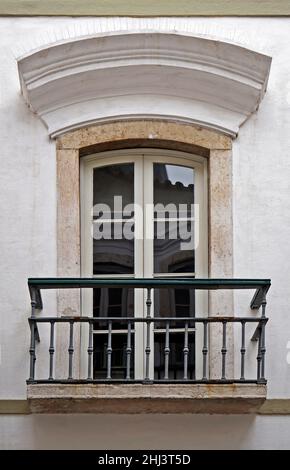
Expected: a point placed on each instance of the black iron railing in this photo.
(186, 372)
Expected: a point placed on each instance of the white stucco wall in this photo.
(261, 175)
(144, 432)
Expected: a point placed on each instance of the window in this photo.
(143, 214)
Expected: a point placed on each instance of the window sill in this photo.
(136, 398)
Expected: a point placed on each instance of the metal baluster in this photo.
(90, 351)
(109, 351)
(128, 352)
(205, 350)
(263, 342)
(32, 351)
(224, 350)
(259, 357)
(71, 350)
(51, 350)
(148, 324)
(32, 339)
(185, 352)
(243, 350)
(166, 352)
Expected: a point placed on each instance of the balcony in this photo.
(98, 372)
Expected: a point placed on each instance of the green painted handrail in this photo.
(260, 285)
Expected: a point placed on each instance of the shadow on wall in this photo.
(139, 432)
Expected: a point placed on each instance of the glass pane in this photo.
(118, 358)
(171, 239)
(174, 236)
(112, 252)
(113, 302)
(174, 184)
(113, 232)
(176, 356)
(111, 181)
(174, 303)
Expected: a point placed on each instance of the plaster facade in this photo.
(261, 233)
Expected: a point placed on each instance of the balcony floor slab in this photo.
(139, 398)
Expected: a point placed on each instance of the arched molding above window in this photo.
(143, 75)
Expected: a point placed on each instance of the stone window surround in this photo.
(214, 146)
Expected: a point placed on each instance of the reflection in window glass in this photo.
(173, 184)
(173, 201)
(113, 302)
(114, 180)
(168, 255)
(176, 356)
(174, 302)
(173, 233)
(118, 358)
(113, 256)
(113, 188)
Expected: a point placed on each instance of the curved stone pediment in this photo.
(144, 75)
